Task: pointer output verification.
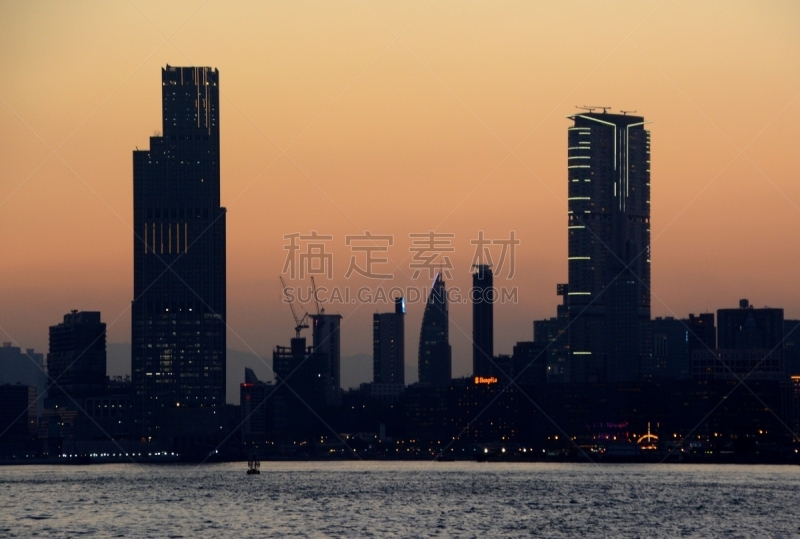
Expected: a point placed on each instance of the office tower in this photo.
(327, 345)
(609, 246)
(77, 359)
(483, 297)
(388, 350)
(435, 354)
(702, 332)
(178, 311)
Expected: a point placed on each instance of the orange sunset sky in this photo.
(398, 117)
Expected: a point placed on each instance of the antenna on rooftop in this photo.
(592, 108)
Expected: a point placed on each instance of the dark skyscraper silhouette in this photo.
(388, 351)
(77, 359)
(609, 247)
(178, 314)
(327, 345)
(482, 321)
(435, 355)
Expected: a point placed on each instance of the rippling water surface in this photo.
(400, 499)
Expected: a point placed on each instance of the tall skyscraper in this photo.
(609, 246)
(327, 346)
(435, 355)
(77, 359)
(388, 346)
(179, 305)
(482, 321)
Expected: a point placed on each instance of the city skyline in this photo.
(397, 268)
(692, 270)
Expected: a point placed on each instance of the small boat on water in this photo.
(253, 466)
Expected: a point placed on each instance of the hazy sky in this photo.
(399, 117)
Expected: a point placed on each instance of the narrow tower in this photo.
(482, 296)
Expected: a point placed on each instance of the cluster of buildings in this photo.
(602, 369)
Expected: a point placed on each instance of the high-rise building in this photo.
(327, 345)
(702, 333)
(529, 363)
(749, 344)
(256, 407)
(23, 367)
(435, 354)
(791, 347)
(388, 351)
(483, 297)
(17, 419)
(671, 356)
(77, 359)
(179, 302)
(551, 333)
(747, 328)
(609, 246)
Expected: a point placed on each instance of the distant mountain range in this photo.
(356, 369)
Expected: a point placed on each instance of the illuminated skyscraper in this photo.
(178, 312)
(435, 356)
(609, 246)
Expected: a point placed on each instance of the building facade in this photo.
(608, 246)
(179, 304)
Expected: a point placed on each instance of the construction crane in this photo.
(300, 323)
(316, 299)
